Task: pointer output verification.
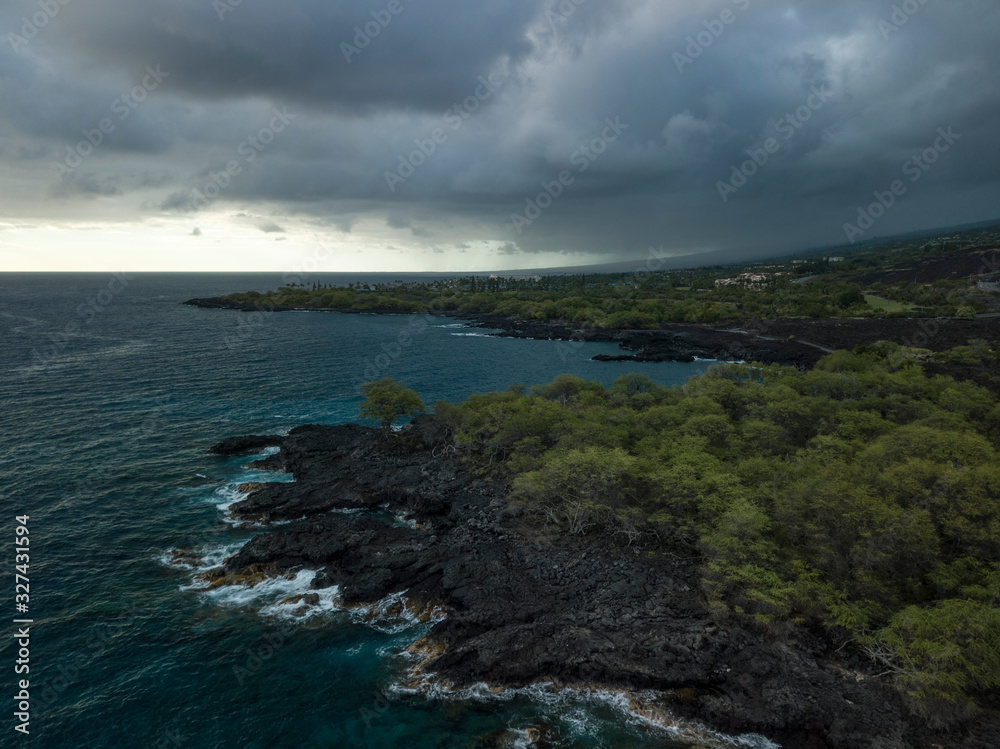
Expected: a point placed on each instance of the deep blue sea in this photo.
(110, 393)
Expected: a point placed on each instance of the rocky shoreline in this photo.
(521, 607)
(798, 342)
(672, 343)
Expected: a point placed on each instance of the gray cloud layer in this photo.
(514, 89)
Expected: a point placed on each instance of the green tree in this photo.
(579, 489)
(387, 400)
(943, 652)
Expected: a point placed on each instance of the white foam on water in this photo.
(472, 335)
(230, 496)
(283, 596)
(403, 521)
(581, 723)
(246, 475)
(521, 739)
(277, 597)
(199, 559)
(391, 649)
(329, 603)
(571, 706)
(391, 615)
(267, 592)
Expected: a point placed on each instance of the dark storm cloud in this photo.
(458, 115)
(311, 52)
(49, 100)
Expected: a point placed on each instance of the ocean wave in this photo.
(395, 613)
(290, 595)
(242, 485)
(573, 706)
(232, 493)
(198, 559)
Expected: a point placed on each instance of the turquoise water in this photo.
(111, 393)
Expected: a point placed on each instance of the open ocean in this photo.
(110, 394)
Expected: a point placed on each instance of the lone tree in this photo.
(387, 400)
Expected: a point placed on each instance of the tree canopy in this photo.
(387, 400)
(863, 496)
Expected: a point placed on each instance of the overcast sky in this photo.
(484, 134)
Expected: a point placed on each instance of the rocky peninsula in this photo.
(523, 606)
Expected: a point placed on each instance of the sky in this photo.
(409, 135)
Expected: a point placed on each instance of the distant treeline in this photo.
(861, 284)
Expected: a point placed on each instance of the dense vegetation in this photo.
(386, 400)
(873, 282)
(862, 496)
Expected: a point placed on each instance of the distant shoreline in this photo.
(799, 342)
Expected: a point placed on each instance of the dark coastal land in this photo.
(939, 295)
(525, 606)
(803, 543)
